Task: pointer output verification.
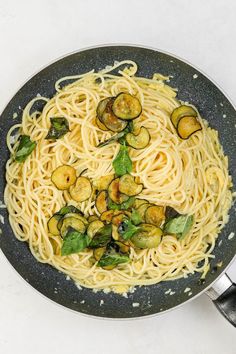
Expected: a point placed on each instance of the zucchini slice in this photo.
(93, 227)
(142, 209)
(52, 224)
(63, 177)
(126, 106)
(139, 140)
(72, 215)
(109, 267)
(180, 112)
(154, 215)
(128, 186)
(101, 125)
(102, 106)
(98, 253)
(118, 218)
(107, 216)
(82, 189)
(114, 192)
(139, 202)
(92, 218)
(103, 182)
(123, 247)
(115, 233)
(187, 126)
(148, 237)
(101, 202)
(109, 119)
(73, 222)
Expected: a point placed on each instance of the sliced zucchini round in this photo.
(123, 247)
(118, 218)
(115, 233)
(63, 177)
(108, 118)
(154, 215)
(126, 106)
(82, 189)
(128, 186)
(139, 202)
(148, 237)
(107, 216)
(93, 227)
(101, 125)
(92, 218)
(98, 253)
(103, 182)
(139, 140)
(52, 224)
(72, 215)
(101, 202)
(187, 126)
(180, 112)
(114, 192)
(73, 222)
(142, 209)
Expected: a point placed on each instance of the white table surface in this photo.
(32, 33)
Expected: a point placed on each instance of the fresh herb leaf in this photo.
(69, 209)
(127, 229)
(123, 206)
(74, 242)
(102, 237)
(180, 226)
(122, 163)
(59, 127)
(114, 138)
(112, 259)
(136, 217)
(26, 146)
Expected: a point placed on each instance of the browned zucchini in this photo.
(109, 119)
(188, 126)
(101, 201)
(124, 247)
(180, 112)
(72, 215)
(139, 140)
(128, 186)
(139, 202)
(107, 216)
(52, 224)
(92, 218)
(155, 215)
(74, 223)
(148, 237)
(115, 233)
(99, 252)
(63, 177)
(93, 227)
(118, 218)
(142, 209)
(103, 182)
(114, 192)
(82, 189)
(101, 125)
(126, 106)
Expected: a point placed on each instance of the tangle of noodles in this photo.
(190, 175)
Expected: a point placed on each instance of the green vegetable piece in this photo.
(123, 206)
(114, 138)
(74, 242)
(26, 146)
(102, 237)
(69, 209)
(127, 229)
(109, 259)
(59, 127)
(136, 217)
(122, 163)
(180, 226)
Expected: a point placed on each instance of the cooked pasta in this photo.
(189, 175)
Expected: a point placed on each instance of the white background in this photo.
(32, 33)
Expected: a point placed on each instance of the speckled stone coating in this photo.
(194, 87)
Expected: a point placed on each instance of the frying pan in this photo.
(213, 105)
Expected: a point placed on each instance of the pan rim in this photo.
(185, 61)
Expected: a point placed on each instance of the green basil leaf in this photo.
(112, 259)
(25, 147)
(122, 163)
(180, 226)
(136, 217)
(123, 206)
(102, 237)
(69, 209)
(127, 229)
(59, 127)
(112, 139)
(74, 242)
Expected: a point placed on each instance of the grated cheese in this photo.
(231, 235)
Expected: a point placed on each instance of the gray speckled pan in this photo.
(213, 105)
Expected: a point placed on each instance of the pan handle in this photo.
(223, 295)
